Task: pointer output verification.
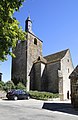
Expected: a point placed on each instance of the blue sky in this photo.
(55, 22)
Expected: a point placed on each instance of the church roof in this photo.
(56, 56)
(74, 74)
(40, 59)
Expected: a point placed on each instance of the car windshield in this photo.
(19, 92)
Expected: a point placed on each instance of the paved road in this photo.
(36, 110)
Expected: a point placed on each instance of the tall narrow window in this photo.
(68, 70)
(35, 41)
(68, 60)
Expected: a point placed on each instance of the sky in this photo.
(55, 22)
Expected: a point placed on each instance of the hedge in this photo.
(43, 95)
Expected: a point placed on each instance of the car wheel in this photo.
(15, 97)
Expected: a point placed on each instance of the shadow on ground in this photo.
(61, 107)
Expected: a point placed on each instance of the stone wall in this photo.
(74, 92)
(19, 63)
(34, 49)
(38, 77)
(60, 84)
(52, 76)
(74, 87)
(66, 68)
(26, 53)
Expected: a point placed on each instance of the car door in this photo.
(19, 94)
(22, 95)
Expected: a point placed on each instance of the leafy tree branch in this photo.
(10, 32)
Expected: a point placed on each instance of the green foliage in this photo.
(43, 95)
(2, 85)
(20, 86)
(10, 32)
(9, 85)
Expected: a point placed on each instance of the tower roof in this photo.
(28, 19)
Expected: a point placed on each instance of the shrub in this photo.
(20, 86)
(2, 85)
(43, 95)
(9, 85)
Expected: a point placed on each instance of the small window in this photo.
(68, 70)
(68, 60)
(35, 41)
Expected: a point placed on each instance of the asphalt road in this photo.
(37, 110)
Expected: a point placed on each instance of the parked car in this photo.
(17, 94)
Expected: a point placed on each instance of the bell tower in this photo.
(33, 49)
(26, 53)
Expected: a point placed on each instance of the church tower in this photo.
(26, 53)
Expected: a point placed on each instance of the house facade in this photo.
(74, 87)
(36, 72)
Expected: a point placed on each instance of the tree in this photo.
(9, 85)
(10, 32)
(20, 86)
(1, 85)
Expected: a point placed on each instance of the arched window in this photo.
(35, 41)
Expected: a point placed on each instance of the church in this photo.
(42, 73)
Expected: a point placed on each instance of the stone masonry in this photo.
(26, 52)
(74, 87)
(36, 72)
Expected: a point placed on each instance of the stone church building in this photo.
(49, 73)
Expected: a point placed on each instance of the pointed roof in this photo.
(56, 56)
(28, 18)
(40, 59)
(74, 74)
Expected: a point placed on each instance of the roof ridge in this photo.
(56, 56)
(57, 52)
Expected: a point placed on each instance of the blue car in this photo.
(17, 95)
